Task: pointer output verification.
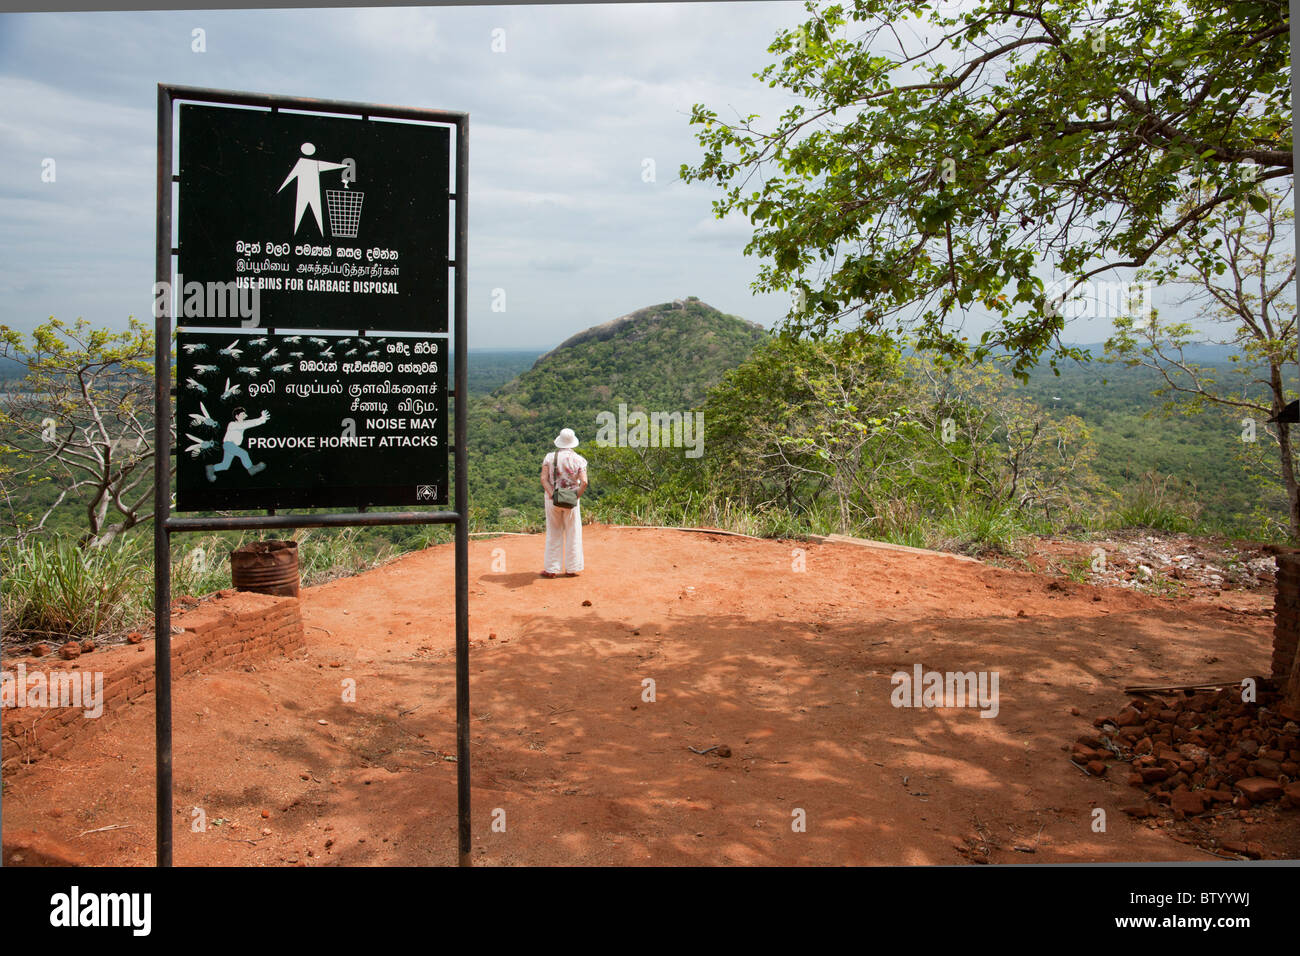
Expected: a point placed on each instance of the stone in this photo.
(1190, 802)
(1252, 851)
(1259, 789)
(70, 650)
(1263, 767)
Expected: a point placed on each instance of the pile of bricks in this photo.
(1201, 752)
(233, 629)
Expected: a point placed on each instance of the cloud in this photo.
(561, 124)
(556, 263)
(733, 231)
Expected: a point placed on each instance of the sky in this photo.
(565, 230)
(562, 124)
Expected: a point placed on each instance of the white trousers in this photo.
(563, 538)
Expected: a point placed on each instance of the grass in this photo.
(1077, 569)
(54, 589)
(966, 528)
(1158, 503)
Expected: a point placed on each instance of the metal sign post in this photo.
(354, 240)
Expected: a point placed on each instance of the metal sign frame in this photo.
(165, 524)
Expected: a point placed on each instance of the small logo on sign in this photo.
(425, 492)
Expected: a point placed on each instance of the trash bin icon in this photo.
(345, 212)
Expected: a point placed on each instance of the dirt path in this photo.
(789, 669)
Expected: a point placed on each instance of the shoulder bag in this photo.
(561, 497)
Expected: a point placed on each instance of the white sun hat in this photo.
(566, 439)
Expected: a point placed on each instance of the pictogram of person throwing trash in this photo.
(307, 171)
(234, 437)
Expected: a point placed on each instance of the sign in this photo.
(278, 421)
(338, 223)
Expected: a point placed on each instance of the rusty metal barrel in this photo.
(267, 567)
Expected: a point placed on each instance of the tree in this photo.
(1243, 283)
(1004, 450)
(907, 187)
(849, 433)
(807, 419)
(82, 419)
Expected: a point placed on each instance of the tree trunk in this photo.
(1289, 479)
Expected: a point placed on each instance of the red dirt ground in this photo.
(789, 669)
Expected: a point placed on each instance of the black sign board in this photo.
(278, 421)
(339, 223)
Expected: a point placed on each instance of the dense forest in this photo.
(671, 356)
(1195, 457)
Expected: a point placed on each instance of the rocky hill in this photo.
(663, 357)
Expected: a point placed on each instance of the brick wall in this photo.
(1286, 621)
(232, 629)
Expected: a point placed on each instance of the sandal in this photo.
(550, 574)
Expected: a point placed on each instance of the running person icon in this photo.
(234, 437)
(307, 172)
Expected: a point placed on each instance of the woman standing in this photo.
(563, 468)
